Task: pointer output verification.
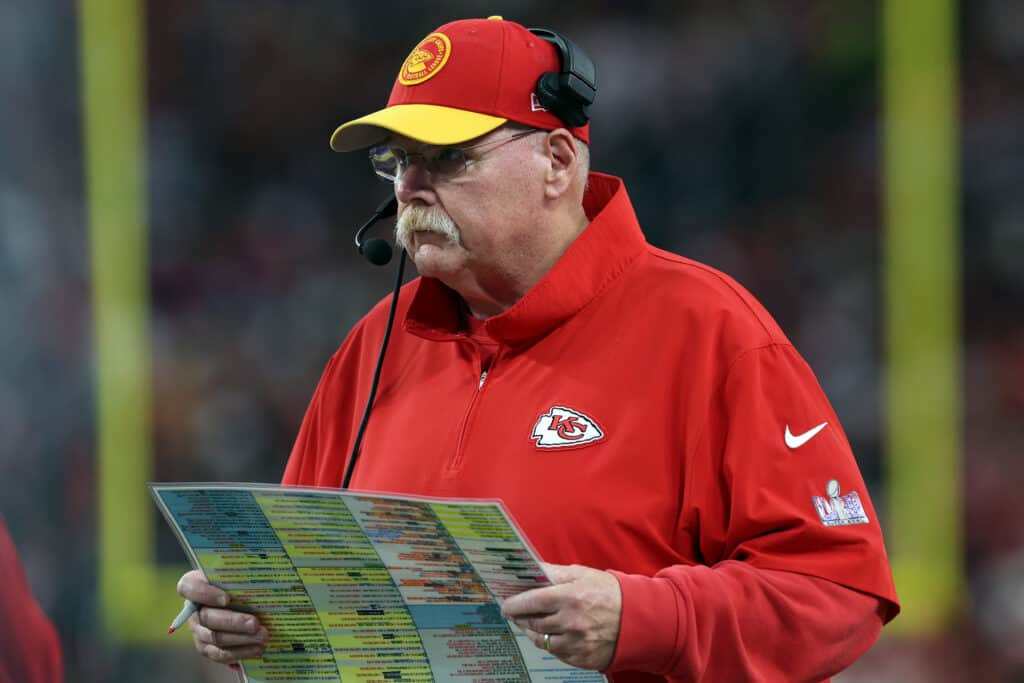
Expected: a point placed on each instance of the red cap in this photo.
(463, 80)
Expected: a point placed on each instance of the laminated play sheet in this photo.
(364, 587)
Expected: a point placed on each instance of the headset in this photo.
(569, 93)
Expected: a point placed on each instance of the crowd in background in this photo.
(748, 134)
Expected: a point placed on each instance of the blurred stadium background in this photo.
(176, 265)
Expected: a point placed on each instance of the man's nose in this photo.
(414, 181)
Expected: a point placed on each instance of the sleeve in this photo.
(31, 651)
(792, 580)
(734, 622)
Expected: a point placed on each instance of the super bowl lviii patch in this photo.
(837, 510)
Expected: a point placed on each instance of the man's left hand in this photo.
(580, 615)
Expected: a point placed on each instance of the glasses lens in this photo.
(442, 163)
(447, 162)
(384, 162)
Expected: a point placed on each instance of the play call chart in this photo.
(367, 588)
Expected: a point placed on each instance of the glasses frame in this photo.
(429, 157)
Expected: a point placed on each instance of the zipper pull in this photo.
(483, 378)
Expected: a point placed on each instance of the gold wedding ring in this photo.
(547, 641)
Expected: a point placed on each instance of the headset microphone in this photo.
(377, 251)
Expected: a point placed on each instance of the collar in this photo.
(601, 253)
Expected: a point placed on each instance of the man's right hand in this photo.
(222, 635)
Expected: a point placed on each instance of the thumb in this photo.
(194, 586)
(563, 573)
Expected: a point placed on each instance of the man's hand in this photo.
(222, 635)
(580, 614)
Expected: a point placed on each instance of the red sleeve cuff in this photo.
(650, 626)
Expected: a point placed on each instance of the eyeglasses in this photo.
(442, 163)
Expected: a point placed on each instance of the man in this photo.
(641, 415)
(31, 652)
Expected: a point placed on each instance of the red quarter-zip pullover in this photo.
(644, 414)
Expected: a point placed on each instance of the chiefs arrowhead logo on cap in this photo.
(426, 59)
(561, 427)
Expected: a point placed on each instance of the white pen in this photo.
(183, 615)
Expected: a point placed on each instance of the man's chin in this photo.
(437, 260)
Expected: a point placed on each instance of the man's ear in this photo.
(561, 149)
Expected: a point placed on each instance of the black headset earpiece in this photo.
(567, 94)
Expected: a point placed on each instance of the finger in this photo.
(194, 586)
(555, 642)
(229, 655)
(546, 624)
(226, 620)
(570, 649)
(534, 602)
(535, 637)
(227, 639)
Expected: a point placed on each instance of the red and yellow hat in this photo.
(463, 80)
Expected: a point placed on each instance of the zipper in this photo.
(456, 461)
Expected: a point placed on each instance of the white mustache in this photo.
(417, 218)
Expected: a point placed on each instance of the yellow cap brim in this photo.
(428, 123)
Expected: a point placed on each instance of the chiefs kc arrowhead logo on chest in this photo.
(562, 427)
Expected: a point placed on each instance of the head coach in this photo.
(644, 419)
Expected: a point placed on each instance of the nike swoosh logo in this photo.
(800, 439)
